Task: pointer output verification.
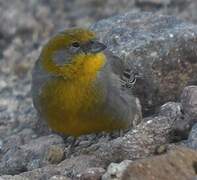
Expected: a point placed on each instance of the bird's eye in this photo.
(75, 44)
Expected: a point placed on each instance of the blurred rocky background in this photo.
(159, 44)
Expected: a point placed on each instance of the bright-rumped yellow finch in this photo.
(77, 89)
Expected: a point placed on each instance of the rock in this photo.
(150, 137)
(161, 49)
(16, 177)
(185, 115)
(192, 139)
(178, 164)
(182, 124)
(189, 101)
(32, 155)
(114, 170)
(55, 154)
(172, 110)
(161, 149)
(1, 145)
(139, 142)
(183, 9)
(150, 5)
(59, 178)
(68, 169)
(18, 139)
(189, 109)
(91, 174)
(79, 165)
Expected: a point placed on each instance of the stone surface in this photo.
(91, 174)
(139, 142)
(182, 124)
(172, 110)
(160, 49)
(59, 177)
(55, 154)
(178, 164)
(192, 139)
(69, 168)
(189, 102)
(29, 156)
(115, 171)
(17, 177)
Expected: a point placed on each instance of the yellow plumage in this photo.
(71, 99)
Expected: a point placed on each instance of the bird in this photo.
(79, 88)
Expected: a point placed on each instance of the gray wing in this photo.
(127, 75)
(118, 97)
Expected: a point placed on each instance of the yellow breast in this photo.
(74, 105)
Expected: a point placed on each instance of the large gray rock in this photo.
(161, 49)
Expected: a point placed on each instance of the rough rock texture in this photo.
(192, 139)
(140, 142)
(161, 49)
(92, 174)
(71, 168)
(189, 107)
(17, 177)
(189, 102)
(33, 154)
(29, 150)
(115, 171)
(137, 143)
(178, 164)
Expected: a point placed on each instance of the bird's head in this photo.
(73, 52)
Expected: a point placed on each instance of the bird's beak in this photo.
(93, 47)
